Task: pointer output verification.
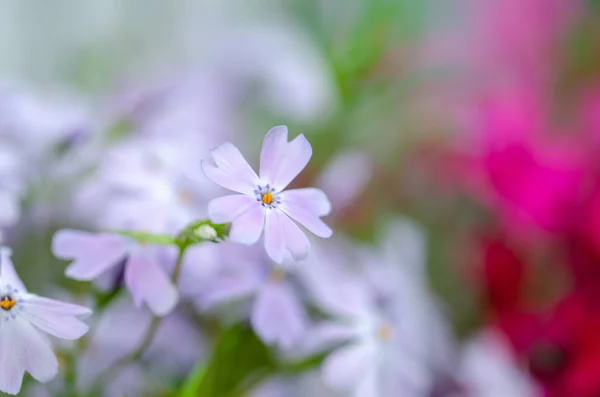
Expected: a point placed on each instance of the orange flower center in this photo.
(7, 303)
(267, 198)
(276, 275)
(384, 332)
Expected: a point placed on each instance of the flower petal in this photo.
(278, 316)
(92, 254)
(313, 200)
(55, 307)
(236, 283)
(297, 154)
(325, 336)
(54, 319)
(232, 171)
(149, 283)
(345, 177)
(227, 208)
(305, 215)
(7, 270)
(272, 152)
(369, 385)
(346, 366)
(10, 208)
(32, 350)
(247, 227)
(11, 374)
(274, 232)
(294, 238)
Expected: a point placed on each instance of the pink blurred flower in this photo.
(22, 346)
(499, 44)
(263, 203)
(514, 166)
(94, 254)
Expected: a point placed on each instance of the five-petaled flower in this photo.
(263, 203)
(22, 316)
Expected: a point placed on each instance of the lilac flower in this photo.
(487, 369)
(22, 316)
(263, 203)
(95, 254)
(345, 177)
(277, 314)
(11, 185)
(145, 184)
(389, 335)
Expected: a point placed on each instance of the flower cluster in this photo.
(452, 150)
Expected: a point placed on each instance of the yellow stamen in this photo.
(276, 275)
(267, 198)
(384, 332)
(7, 303)
(185, 197)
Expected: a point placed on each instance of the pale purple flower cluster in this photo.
(367, 309)
(378, 326)
(35, 130)
(148, 182)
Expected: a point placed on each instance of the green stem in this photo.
(109, 373)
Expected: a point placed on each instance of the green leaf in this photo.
(193, 382)
(104, 299)
(239, 361)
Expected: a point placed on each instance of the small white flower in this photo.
(22, 316)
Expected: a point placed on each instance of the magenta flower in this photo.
(95, 254)
(263, 203)
(24, 317)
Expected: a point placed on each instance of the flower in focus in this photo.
(95, 254)
(23, 315)
(263, 203)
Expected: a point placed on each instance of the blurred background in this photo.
(471, 125)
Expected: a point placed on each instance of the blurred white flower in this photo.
(389, 336)
(487, 369)
(344, 178)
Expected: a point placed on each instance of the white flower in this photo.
(22, 316)
(487, 369)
